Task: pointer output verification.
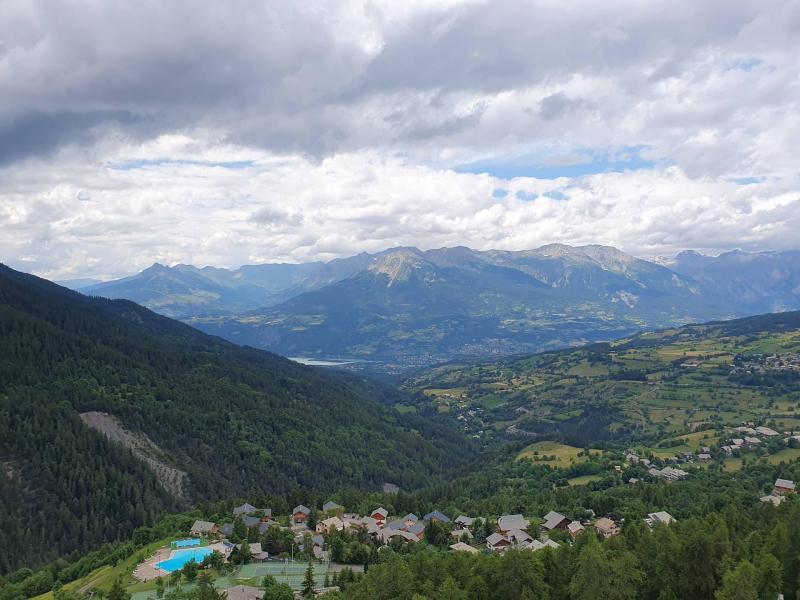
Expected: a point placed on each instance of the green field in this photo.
(104, 577)
(564, 455)
(669, 392)
(584, 479)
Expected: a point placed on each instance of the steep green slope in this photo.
(235, 420)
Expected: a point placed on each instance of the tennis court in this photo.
(291, 573)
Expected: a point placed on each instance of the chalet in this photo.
(390, 534)
(607, 528)
(264, 526)
(783, 487)
(508, 523)
(751, 441)
(250, 521)
(497, 542)
(462, 547)
(518, 537)
(330, 525)
(227, 529)
(204, 528)
(633, 481)
(704, 457)
(256, 552)
(464, 522)
(243, 592)
(397, 525)
(554, 520)
(244, 509)
(668, 473)
(352, 520)
(460, 533)
(436, 517)
(380, 514)
(766, 431)
(410, 519)
(659, 518)
(417, 530)
(300, 514)
(575, 529)
(330, 506)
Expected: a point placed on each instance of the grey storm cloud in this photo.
(324, 77)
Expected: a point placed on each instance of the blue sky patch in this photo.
(556, 195)
(128, 165)
(526, 196)
(582, 162)
(750, 180)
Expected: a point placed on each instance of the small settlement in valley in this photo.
(311, 531)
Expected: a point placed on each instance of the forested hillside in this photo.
(235, 420)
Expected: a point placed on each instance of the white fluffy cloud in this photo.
(249, 131)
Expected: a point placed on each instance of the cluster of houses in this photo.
(773, 363)
(780, 491)
(746, 436)
(512, 531)
(668, 473)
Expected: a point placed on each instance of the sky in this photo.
(242, 132)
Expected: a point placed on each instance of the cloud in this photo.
(248, 131)
(91, 219)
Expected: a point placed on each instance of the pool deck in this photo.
(147, 571)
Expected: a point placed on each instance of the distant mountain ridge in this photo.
(409, 307)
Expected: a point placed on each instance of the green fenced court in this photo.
(291, 573)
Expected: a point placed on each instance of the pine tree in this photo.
(117, 591)
(739, 584)
(308, 582)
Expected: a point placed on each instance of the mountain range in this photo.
(406, 307)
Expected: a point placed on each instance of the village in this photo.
(210, 543)
(763, 364)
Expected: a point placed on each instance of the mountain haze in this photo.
(406, 307)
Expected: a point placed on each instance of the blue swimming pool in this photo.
(181, 557)
(186, 543)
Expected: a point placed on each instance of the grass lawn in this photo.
(784, 455)
(584, 369)
(732, 464)
(583, 480)
(493, 401)
(565, 455)
(104, 577)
